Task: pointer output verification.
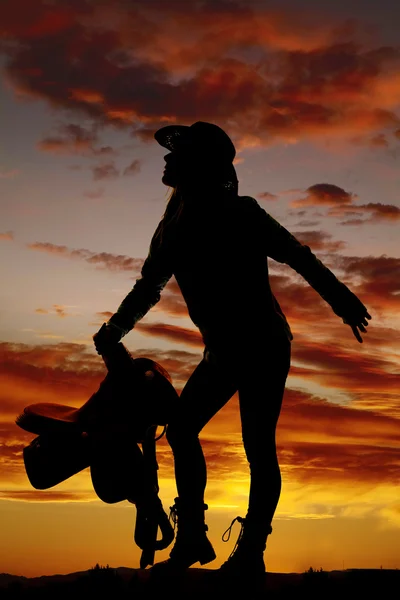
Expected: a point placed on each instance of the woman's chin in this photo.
(168, 180)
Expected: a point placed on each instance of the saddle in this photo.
(133, 400)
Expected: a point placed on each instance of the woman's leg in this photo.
(207, 390)
(209, 387)
(262, 381)
(261, 390)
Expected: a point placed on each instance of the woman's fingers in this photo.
(356, 333)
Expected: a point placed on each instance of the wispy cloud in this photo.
(59, 311)
(9, 174)
(8, 235)
(133, 168)
(105, 171)
(340, 203)
(74, 139)
(101, 260)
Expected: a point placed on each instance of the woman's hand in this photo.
(358, 324)
(107, 336)
(354, 313)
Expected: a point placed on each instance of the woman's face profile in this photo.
(180, 167)
(170, 174)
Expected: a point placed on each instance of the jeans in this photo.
(259, 375)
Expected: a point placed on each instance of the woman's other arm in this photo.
(283, 247)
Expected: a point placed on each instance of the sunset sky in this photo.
(309, 92)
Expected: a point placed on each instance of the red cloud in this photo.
(380, 278)
(319, 241)
(324, 194)
(139, 69)
(340, 204)
(172, 332)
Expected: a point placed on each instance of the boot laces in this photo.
(240, 520)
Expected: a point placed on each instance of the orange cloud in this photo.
(8, 235)
(380, 278)
(319, 441)
(340, 204)
(324, 194)
(171, 332)
(278, 74)
(57, 309)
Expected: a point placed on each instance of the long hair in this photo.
(223, 181)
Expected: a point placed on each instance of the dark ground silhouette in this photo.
(121, 583)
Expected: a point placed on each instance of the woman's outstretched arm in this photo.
(282, 246)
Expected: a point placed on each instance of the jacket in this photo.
(219, 257)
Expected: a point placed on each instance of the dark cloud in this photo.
(133, 168)
(319, 241)
(380, 278)
(306, 223)
(267, 196)
(340, 203)
(106, 171)
(324, 194)
(74, 139)
(380, 211)
(135, 67)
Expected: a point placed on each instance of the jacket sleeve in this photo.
(279, 244)
(156, 272)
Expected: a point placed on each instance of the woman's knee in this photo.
(260, 451)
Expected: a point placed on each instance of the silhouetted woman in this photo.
(216, 244)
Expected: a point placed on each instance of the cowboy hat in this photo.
(199, 137)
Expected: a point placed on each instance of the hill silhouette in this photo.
(123, 582)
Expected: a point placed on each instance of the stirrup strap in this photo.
(240, 520)
(229, 530)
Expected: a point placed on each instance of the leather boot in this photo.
(191, 542)
(246, 561)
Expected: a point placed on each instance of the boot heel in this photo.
(207, 556)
